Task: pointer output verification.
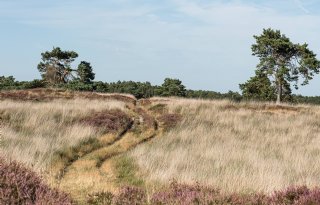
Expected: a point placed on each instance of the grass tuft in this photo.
(126, 172)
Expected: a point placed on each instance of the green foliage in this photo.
(138, 89)
(283, 60)
(9, 83)
(85, 72)
(205, 94)
(126, 172)
(173, 87)
(258, 87)
(32, 84)
(55, 66)
(306, 99)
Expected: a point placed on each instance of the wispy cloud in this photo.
(301, 6)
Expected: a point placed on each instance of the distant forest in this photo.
(170, 87)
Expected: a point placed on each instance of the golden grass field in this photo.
(33, 131)
(236, 147)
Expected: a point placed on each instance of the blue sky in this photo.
(206, 44)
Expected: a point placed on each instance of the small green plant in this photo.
(126, 172)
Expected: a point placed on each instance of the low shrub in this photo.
(108, 120)
(181, 194)
(131, 196)
(296, 196)
(18, 185)
(169, 121)
(186, 195)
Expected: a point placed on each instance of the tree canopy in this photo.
(55, 66)
(85, 73)
(173, 87)
(258, 87)
(283, 61)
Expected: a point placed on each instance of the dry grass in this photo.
(33, 131)
(244, 147)
(236, 147)
(45, 94)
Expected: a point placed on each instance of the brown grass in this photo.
(43, 94)
(245, 147)
(33, 132)
(236, 147)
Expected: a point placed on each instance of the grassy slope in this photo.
(62, 134)
(236, 147)
(34, 131)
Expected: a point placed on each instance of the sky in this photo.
(206, 44)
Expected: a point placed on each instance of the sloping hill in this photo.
(237, 147)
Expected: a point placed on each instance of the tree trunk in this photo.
(279, 94)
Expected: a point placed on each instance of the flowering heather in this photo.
(180, 194)
(296, 196)
(169, 121)
(184, 195)
(109, 120)
(131, 196)
(18, 185)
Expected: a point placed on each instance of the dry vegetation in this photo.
(33, 131)
(92, 146)
(236, 147)
(45, 94)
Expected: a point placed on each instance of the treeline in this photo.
(170, 87)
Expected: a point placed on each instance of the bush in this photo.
(131, 196)
(108, 120)
(296, 196)
(186, 195)
(169, 121)
(18, 185)
(181, 194)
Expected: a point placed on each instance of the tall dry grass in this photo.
(31, 132)
(236, 147)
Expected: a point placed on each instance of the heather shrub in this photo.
(108, 120)
(181, 194)
(289, 195)
(18, 185)
(296, 196)
(187, 195)
(131, 196)
(313, 198)
(169, 121)
(248, 199)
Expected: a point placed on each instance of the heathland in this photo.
(91, 148)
